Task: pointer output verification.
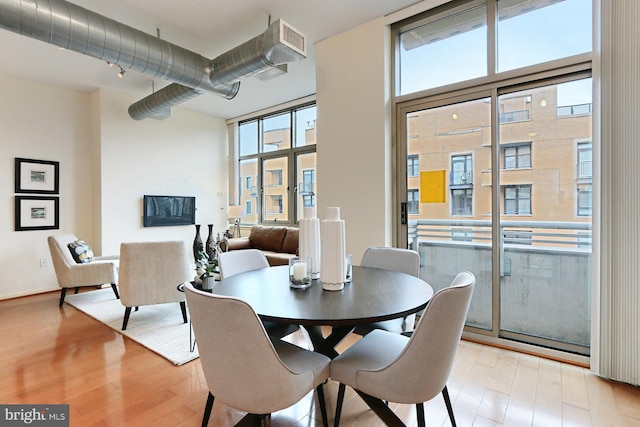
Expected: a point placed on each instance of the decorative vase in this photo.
(309, 244)
(197, 244)
(211, 244)
(333, 251)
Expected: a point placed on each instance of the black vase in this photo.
(197, 244)
(211, 243)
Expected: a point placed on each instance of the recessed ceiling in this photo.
(203, 26)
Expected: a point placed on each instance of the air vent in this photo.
(292, 38)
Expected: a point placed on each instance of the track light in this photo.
(121, 73)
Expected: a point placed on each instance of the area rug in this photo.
(157, 327)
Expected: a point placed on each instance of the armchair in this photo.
(101, 270)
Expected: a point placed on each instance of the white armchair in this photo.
(150, 273)
(100, 271)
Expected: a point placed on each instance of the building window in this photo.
(274, 150)
(248, 208)
(517, 200)
(461, 170)
(585, 202)
(413, 202)
(461, 201)
(413, 165)
(274, 205)
(585, 160)
(517, 156)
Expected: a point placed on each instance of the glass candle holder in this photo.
(300, 272)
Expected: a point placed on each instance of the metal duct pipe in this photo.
(279, 44)
(72, 27)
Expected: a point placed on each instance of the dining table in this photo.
(373, 295)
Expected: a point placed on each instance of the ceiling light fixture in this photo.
(121, 73)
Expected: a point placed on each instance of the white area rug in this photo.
(157, 327)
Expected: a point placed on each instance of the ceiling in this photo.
(207, 27)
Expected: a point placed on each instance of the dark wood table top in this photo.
(373, 295)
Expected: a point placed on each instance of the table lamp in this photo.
(235, 213)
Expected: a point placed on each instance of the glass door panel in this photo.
(545, 218)
(275, 177)
(305, 182)
(449, 197)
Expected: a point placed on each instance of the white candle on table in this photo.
(299, 271)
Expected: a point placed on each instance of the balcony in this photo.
(574, 110)
(459, 179)
(306, 188)
(545, 275)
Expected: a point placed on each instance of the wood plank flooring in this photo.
(59, 355)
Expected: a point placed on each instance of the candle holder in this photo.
(300, 272)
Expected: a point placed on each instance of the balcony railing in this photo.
(515, 116)
(461, 178)
(574, 110)
(545, 268)
(306, 188)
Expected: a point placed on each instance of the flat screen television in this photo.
(169, 210)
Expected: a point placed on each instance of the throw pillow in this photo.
(80, 251)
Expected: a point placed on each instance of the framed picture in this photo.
(37, 213)
(37, 176)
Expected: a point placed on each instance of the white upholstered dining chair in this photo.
(242, 366)
(239, 261)
(384, 366)
(396, 259)
(150, 273)
(101, 270)
(243, 260)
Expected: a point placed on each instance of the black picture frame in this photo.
(37, 176)
(37, 213)
(159, 211)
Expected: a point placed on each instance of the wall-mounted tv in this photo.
(169, 210)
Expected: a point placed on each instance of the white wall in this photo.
(107, 163)
(354, 133)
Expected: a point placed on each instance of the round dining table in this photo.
(373, 295)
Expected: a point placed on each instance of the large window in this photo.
(495, 99)
(277, 164)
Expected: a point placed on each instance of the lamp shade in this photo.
(235, 212)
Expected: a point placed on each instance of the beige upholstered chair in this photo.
(150, 273)
(396, 259)
(384, 366)
(244, 368)
(100, 271)
(242, 260)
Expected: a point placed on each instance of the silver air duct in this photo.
(279, 44)
(74, 28)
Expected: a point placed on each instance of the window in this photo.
(517, 200)
(461, 201)
(277, 158)
(413, 165)
(585, 202)
(585, 157)
(461, 170)
(517, 156)
(413, 202)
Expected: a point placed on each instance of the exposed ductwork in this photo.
(74, 28)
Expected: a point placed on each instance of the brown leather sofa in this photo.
(278, 243)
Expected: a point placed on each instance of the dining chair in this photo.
(243, 260)
(389, 367)
(396, 259)
(234, 262)
(242, 366)
(101, 270)
(150, 273)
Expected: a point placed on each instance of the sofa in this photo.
(278, 243)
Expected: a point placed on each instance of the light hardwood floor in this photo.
(59, 355)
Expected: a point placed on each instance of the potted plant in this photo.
(207, 270)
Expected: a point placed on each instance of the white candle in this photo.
(299, 271)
